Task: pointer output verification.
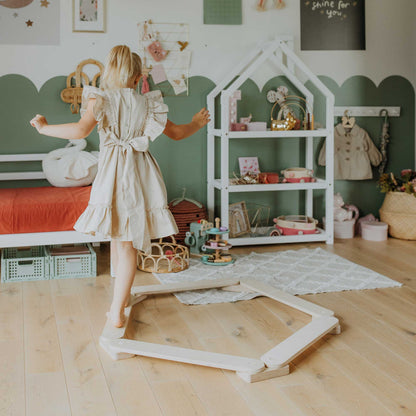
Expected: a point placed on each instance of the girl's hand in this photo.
(38, 122)
(202, 118)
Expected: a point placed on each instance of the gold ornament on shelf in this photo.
(286, 119)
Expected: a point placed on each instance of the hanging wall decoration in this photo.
(166, 56)
(220, 12)
(332, 24)
(29, 22)
(72, 94)
(88, 16)
(277, 4)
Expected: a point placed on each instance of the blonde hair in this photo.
(121, 68)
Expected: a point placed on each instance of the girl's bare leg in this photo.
(113, 258)
(114, 265)
(126, 270)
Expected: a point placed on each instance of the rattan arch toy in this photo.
(164, 257)
(73, 94)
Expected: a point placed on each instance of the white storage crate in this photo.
(24, 263)
(71, 263)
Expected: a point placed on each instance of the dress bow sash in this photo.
(139, 143)
(131, 185)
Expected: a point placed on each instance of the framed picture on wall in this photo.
(88, 16)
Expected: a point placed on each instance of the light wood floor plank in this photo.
(46, 395)
(87, 387)
(370, 368)
(12, 346)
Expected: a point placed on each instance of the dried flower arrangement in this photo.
(388, 182)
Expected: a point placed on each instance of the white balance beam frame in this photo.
(273, 363)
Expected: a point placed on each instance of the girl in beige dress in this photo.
(128, 200)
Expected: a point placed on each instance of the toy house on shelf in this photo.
(279, 53)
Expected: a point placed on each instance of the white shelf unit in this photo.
(280, 53)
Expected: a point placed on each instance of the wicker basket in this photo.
(399, 212)
(165, 257)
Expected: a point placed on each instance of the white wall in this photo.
(391, 40)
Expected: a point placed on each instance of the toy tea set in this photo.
(218, 245)
(203, 237)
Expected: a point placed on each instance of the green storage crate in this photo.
(72, 265)
(19, 264)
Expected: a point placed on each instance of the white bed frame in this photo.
(39, 239)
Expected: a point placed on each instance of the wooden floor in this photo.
(51, 363)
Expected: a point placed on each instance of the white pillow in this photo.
(70, 166)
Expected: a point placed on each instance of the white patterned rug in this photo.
(298, 272)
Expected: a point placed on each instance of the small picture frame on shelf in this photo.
(239, 223)
(88, 16)
(248, 164)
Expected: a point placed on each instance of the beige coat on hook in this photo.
(354, 153)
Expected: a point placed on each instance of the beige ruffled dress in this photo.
(128, 199)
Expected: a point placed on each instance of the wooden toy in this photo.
(165, 257)
(197, 235)
(218, 245)
(268, 177)
(273, 363)
(294, 225)
(298, 175)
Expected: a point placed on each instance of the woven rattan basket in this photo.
(399, 212)
(164, 257)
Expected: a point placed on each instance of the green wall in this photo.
(184, 163)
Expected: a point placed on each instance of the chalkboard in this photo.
(332, 24)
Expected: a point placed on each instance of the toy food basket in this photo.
(164, 257)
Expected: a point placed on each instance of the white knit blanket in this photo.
(297, 272)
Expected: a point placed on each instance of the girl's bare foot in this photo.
(116, 319)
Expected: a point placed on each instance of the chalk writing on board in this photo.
(332, 24)
(332, 8)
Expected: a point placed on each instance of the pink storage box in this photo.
(374, 230)
(344, 229)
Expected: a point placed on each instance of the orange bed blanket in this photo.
(44, 209)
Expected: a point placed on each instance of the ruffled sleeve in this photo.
(157, 115)
(101, 106)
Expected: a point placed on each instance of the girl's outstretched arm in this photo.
(181, 131)
(69, 131)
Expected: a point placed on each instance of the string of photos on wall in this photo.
(332, 24)
(166, 56)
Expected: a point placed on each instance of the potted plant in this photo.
(399, 206)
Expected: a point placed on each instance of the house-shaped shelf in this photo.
(279, 53)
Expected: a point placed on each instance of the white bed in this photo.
(37, 239)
